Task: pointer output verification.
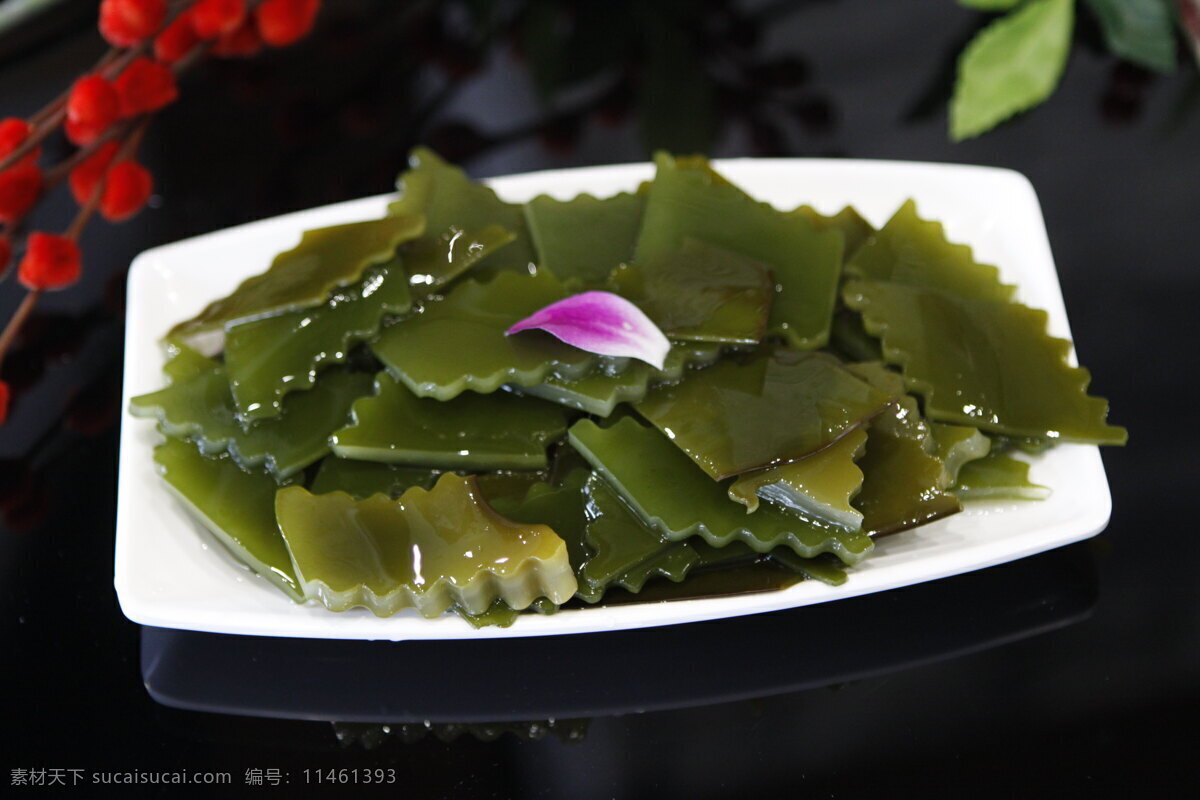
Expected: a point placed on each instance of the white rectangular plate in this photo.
(171, 573)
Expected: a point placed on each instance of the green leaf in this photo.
(1012, 65)
(990, 5)
(1141, 31)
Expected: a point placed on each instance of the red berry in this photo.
(145, 85)
(284, 22)
(240, 43)
(5, 254)
(19, 190)
(85, 177)
(213, 18)
(126, 190)
(124, 23)
(176, 41)
(3, 402)
(50, 262)
(92, 106)
(13, 133)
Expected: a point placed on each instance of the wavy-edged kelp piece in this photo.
(667, 490)
(820, 486)
(361, 479)
(903, 479)
(954, 446)
(471, 432)
(998, 476)
(849, 339)
(427, 550)
(325, 260)
(580, 241)
(915, 252)
(438, 262)
(599, 392)
(201, 409)
(458, 343)
(626, 551)
(685, 202)
(561, 507)
(982, 363)
(269, 358)
(238, 507)
(734, 418)
(462, 218)
(701, 292)
(852, 225)
(183, 363)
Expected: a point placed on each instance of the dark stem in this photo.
(18, 318)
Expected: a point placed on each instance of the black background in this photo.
(1072, 671)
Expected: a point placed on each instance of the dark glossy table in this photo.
(1073, 671)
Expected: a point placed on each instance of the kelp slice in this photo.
(627, 552)
(997, 476)
(982, 363)
(675, 497)
(735, 418)
(238, 507)
(955, 446)
(269, 358)
(326, 259)
(599, 392)
(201, 409)
(361, 479)
(686, 202)
(821, 485)
(915, 252)
(426, 550)
(580, 241)
(459, 343)
(854, 228)
(463, 220)
(470, 432)
(903, 479)
(700, 292)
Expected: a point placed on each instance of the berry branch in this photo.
(105, 114)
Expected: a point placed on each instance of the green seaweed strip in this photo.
(956, 445)
(820, 486)
(470, 432)
(985, 364)
(701, 293)
(826, 569)
(673, 495)
(581, 241)
(201, 409)
(269, 358)
(238, 507)
(600, 393)
(849, 339)
(806, 263)
(998, 477)
(428, 550)
(915, 252)
(461, 218)
(326, 259)
(459, 343)
(901, 478)
(361, 479)
(852, 225)
(736, 418)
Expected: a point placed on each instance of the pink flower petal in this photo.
(601, 323)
